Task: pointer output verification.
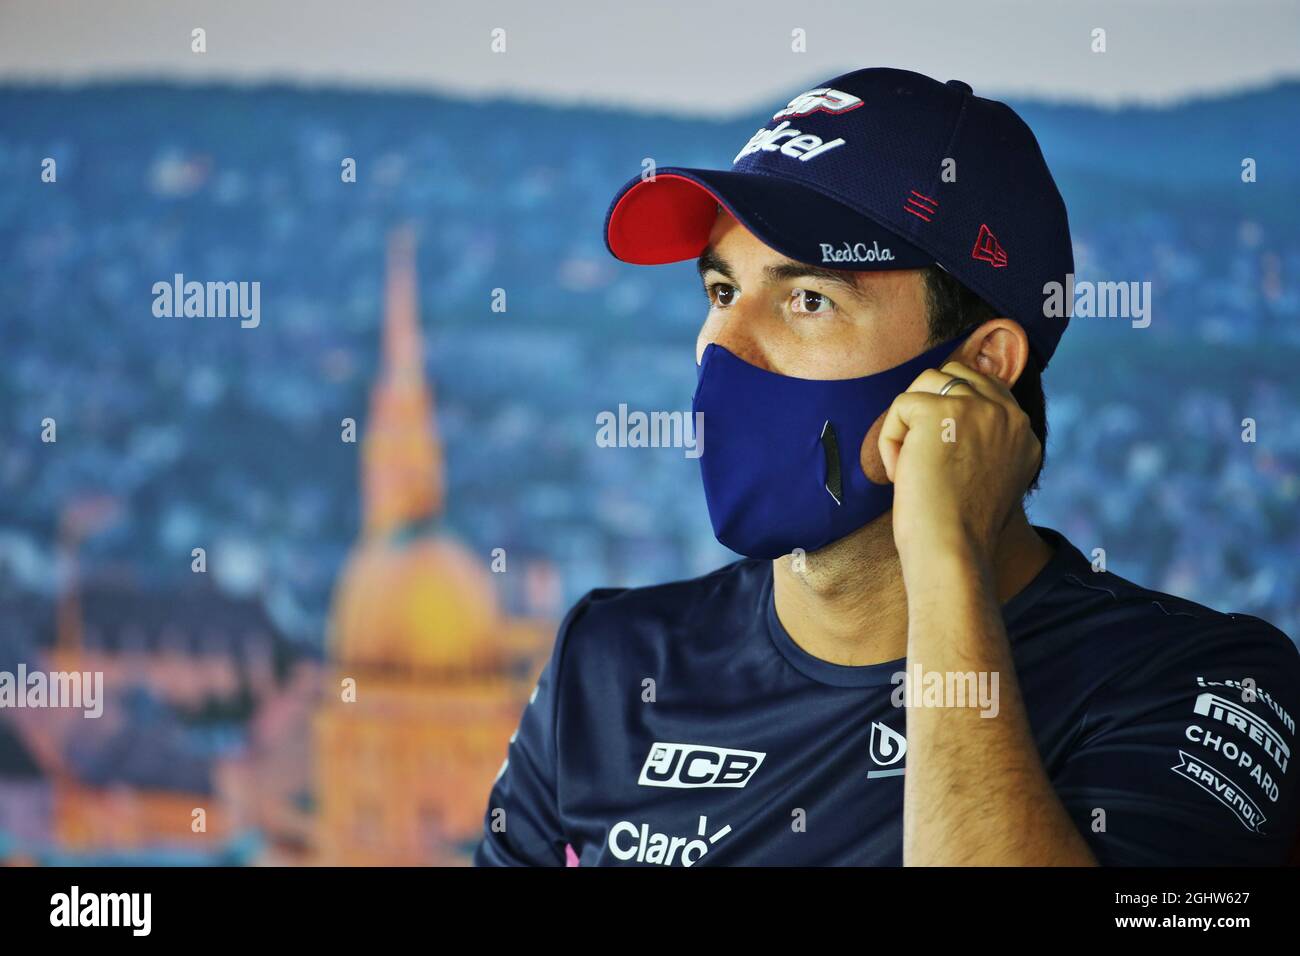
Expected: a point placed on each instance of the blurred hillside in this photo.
(209, 434)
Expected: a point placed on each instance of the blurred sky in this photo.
(703, 57)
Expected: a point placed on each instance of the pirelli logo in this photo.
(686, 766)
(1234, 714)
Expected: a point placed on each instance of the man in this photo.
(903, 670)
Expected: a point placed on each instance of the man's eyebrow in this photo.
(799, 270)
(710, 261)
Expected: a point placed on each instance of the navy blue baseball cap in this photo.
(876, 169)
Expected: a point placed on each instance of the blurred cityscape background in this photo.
(373, 560)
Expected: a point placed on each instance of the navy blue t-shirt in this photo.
(680, 725)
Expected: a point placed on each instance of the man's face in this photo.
(806, 321)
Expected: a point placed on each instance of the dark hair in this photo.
(954, 310)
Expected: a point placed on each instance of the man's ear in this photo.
(999, 349)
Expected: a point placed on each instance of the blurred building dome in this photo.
(423, 604)
(405, 765)
(410, 598)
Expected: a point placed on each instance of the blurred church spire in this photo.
(402, 466)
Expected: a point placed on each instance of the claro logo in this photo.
(627, 841)
(686, 766)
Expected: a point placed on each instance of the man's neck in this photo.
(847, 604)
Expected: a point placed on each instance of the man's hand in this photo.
(960, 464)
(975, 790)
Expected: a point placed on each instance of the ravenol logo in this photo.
(824, 100)
(685, 766)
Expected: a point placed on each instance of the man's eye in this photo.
(807, 302)
(721, 294)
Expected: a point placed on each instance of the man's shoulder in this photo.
(670, 603)
(1138, 627)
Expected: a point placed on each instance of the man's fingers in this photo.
(902, 413)
(985, 385)
(933, 379)
(920, 398)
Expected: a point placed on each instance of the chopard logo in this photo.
(798, 145)
(856, 252)
(686, 766)
(824, 100)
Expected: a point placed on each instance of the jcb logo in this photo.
(694, 765)
(825, 100)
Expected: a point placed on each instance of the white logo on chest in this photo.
(888, 747)
(627, 841)
(687, 766)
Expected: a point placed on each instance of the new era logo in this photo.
(988, 249)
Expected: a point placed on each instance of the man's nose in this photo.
(736, 330)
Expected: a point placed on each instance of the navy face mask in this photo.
(781, 462)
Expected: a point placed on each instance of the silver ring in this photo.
(952, 383)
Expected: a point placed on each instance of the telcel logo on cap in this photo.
(799, 145)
